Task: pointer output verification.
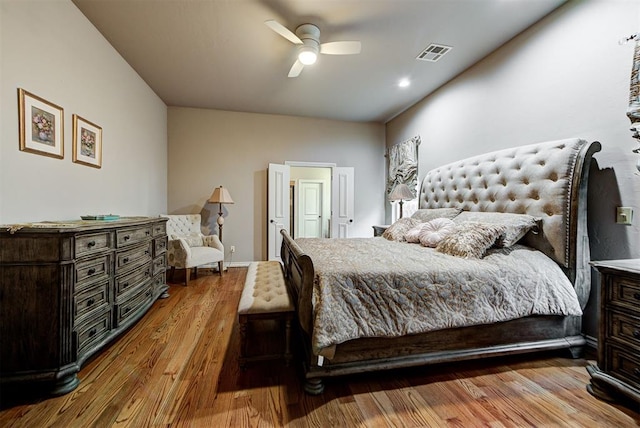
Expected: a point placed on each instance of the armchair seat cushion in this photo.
(205, 255)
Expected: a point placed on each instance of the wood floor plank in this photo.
(178, 367)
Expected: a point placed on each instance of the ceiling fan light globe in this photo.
(307, 57)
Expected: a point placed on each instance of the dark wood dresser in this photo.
(68, 288)
(618, 371)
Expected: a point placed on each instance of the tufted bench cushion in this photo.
(264, 297)
(264, 290)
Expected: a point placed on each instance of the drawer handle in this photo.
(90, 302)
(125, 285)
(636, 295)
(93, 332)
(91, 244)
(125, 260)
(636, 334)
(91, 271)
(146, 232)
(148, 293)
(126, 310)
(126, 237)
(146, 251)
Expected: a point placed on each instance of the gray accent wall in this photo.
(50, 49)
(564, 77)
(209, 148)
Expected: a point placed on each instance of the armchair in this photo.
(189, 248)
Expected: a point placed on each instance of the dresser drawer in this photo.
(133, 257)
(133, 279)
(132, 305)
(91, 299)
(159, 264)
(158, 283)
(159, 246)
(134, 235)
(91, 270)
(624, 293)
(159, 229)
(87, 244)
(624, 364)
(93, 331)
(626, 328)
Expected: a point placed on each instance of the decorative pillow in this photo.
(435, 231)
(470, 240)
(193, 239)
(397, 230)
(427, 214)
(516, 225)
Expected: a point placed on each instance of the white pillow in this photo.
(434, 231)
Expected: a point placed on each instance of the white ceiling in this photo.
(218, 54)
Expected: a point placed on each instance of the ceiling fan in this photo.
(307, 37)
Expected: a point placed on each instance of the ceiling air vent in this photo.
(433, 52)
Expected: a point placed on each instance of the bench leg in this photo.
(243, 342)
(287, 341)
(187, 275)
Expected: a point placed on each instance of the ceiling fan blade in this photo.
(341, 48)
(283, 31)
(296, 69)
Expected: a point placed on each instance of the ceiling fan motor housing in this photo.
(310, 36)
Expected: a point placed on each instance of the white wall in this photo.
(208, 148)
(565, 77)
(50, 49)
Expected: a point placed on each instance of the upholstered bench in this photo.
(264, 297)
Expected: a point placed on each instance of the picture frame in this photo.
(41, 125)
(87, 142)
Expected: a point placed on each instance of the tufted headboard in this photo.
(546, 180)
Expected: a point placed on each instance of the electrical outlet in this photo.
(624, 215)
(233, 248)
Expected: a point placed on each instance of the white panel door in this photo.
(310, 208)
(278, 208)
(342, 201)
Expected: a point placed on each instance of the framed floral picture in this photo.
(41, 125)
(87, 142)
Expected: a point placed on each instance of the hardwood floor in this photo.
(178, 367)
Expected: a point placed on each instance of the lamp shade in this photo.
(401, 192)
(221, 196)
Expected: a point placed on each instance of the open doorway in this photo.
(310, 207)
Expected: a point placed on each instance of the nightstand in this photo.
(378, 230)
(618, 370)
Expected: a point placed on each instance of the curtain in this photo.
(403, 164)
(633, 112)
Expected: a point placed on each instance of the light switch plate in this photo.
(624, 215)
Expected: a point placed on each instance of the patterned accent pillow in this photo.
(397, 230)
(470, 240)
(516, 225)
(193, 239)
(427, 214)
(435, 231)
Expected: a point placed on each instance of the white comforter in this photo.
(372, 287)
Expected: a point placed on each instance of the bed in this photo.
(366, 304)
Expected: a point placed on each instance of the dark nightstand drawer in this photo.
(624, 365)
(624, 293)
(625, 328)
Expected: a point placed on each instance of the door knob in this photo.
(350, 220)
(271, 221)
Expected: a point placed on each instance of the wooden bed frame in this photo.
(548, 180)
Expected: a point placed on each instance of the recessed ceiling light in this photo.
(403, 83)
